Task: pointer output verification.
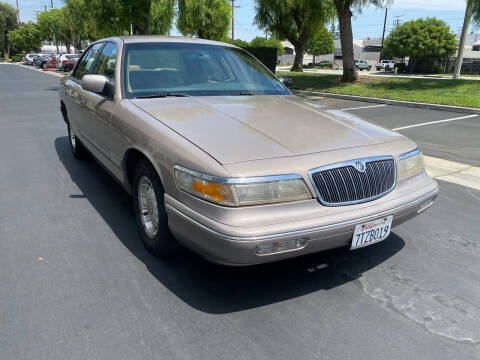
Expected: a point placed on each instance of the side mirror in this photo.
(95, 83)
(286, 81)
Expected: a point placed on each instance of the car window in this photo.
(194, 69)
(105, 64)
(85, 64)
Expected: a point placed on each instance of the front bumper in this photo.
(235, 245)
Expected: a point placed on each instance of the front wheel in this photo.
(148, 197)
(75, 145)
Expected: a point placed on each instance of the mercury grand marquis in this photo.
(220, 157)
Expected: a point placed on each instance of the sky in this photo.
(367, 24)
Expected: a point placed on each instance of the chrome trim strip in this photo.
(352, 163)
(245, 180)
(304, 231)
(410, 153)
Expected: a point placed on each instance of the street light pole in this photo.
(233, 19)
(383, 34)
(463, 36)
(18, 13)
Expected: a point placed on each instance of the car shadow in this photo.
(213, 288)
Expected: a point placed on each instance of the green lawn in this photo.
(436, 91)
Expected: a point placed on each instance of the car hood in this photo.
(242, 128)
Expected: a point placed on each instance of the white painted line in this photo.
(363, 107)
(436, 122)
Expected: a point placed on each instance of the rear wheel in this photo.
(75, 144)
(150, 211)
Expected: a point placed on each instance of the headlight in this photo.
(410, 163)
(242, 191)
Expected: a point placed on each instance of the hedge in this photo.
(267, 55)
(18, 57)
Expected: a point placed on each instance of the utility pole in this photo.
(18, 13)
(51, 4)
(383, 34)
(461, 46)
(36, 14)
(233, 19)
(397, 21)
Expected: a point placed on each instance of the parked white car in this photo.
(28, 59)
(387, 65)
(62, 61)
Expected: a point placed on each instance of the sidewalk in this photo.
(384, 74)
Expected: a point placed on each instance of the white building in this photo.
(367, 49)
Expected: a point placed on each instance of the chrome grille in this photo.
(344, 184)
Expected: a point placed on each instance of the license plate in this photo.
(371, 232)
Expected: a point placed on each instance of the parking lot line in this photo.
(436, 122)
(363, 107)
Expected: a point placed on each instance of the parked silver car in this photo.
(221, 157)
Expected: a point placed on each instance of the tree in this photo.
(472, 13)
(420, 39)
(8, 22)
(26, 38)
(240, 43)
(321, 44)
(114, 17)
(272, 42)
(207, 19)
(294, 20)
(49, 25)
(78, 18)
(344, 12)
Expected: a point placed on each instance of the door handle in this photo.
(82, 100)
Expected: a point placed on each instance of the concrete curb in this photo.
(459, 109)
(52, 73)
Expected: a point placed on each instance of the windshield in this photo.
(195, 70)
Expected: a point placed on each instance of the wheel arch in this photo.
(130, 160)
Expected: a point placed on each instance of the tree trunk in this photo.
(299, 46)
(346, 39)
(314, 61)
(68, 48)
(147, 18)
(7, 51)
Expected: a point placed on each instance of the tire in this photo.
(148, 201)
(75, 145)
(45, 65)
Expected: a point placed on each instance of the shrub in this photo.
(18, 57)
(400, 67)
(267, 55)
(437, 69)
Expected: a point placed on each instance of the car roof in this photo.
(166, 39)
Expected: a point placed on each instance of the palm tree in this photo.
(473, 8)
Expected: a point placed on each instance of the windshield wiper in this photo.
(242, 93)
(161, 95)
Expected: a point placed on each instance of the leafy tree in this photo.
(476, 12)
(78, 18)
(113, 17)
(207, 19)
(49, 25)
(420, 39)
(8, 22)
(345, 10)
(272, 42)
(295, 20)
(241, 43)
(321, 44)
(26, 38)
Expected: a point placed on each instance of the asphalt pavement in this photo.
(76, 283)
